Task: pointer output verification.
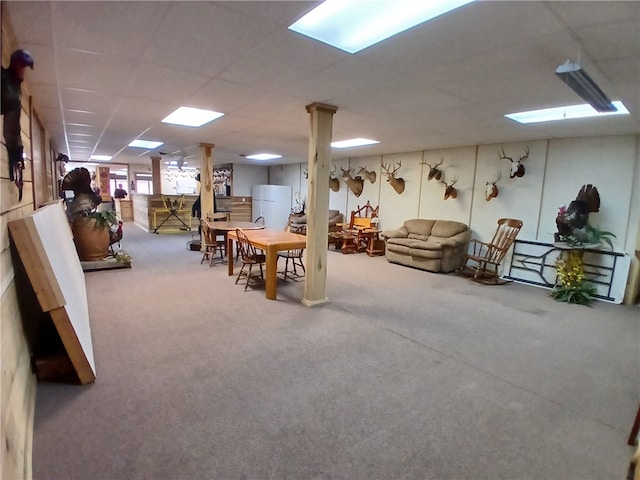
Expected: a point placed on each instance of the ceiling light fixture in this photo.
(101, 157)
(353, 25)
(353, 142)
(263, 156)
(580, 82)
(148, 144)
(191, 117)
(570, 112)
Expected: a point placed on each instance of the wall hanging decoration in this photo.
(11, 107)
(371, 176)
(449, 189)
(517, 168)
(355, 184)
(334, 182)
(491, 189)
(396, 182)
(434, 171)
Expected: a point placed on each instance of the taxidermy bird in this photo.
(573, 220)
(115, 236)
(85, 199)
(11, 107)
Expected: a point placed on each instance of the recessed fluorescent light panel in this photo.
(263, 156)
(145, 144)
(191, 117)
(101, 157)
(570, 112)
(353, 142)
(353, 25)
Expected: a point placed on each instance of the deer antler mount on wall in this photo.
(355, 184)
(396, 183)
(517, 168)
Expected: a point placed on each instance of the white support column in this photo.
(321, 123)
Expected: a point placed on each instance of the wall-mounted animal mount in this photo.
(517, 168)
(396, 183)
(355, 184)
(491, 190)
(371, 176)
(434, 171)
(334, 182)
(449, 189)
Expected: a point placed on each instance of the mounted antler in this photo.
(334, 183)
(517, 168)
(434, 171)
(355, 184)
(491, 190)
(371, 176)
(450, 191)
(396, 183)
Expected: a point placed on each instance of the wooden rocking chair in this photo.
(483, 263)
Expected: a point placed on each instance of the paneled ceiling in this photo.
(109, 72)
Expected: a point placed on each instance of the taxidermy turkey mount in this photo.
(573, 221)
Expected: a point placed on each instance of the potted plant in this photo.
(91, 226)
(91, 233)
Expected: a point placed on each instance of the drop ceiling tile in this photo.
(157, 83)
(89, 71)
(120, 29)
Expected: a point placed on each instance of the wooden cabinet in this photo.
(124, 209)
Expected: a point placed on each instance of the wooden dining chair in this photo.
(249, 257)
(211, 244)
(295, 256)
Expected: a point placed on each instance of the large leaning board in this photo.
(45, 245)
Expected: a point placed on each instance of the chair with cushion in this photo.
(249, 257)
(485, 258)
(211, 244)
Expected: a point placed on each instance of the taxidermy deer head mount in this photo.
(371, 176)
(434, 171)
(491, 191)
(449, 190)
(334, 183)
(396, 183)
(517, 168)
(355, 184)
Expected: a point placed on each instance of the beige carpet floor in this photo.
(405, 374)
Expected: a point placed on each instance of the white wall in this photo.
(555, 171)
(244, 176)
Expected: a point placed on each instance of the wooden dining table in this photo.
(271, 242)
(230, 226)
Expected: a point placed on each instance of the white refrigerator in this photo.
(273, 202)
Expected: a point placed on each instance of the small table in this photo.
(375, 246)
(272, 242)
